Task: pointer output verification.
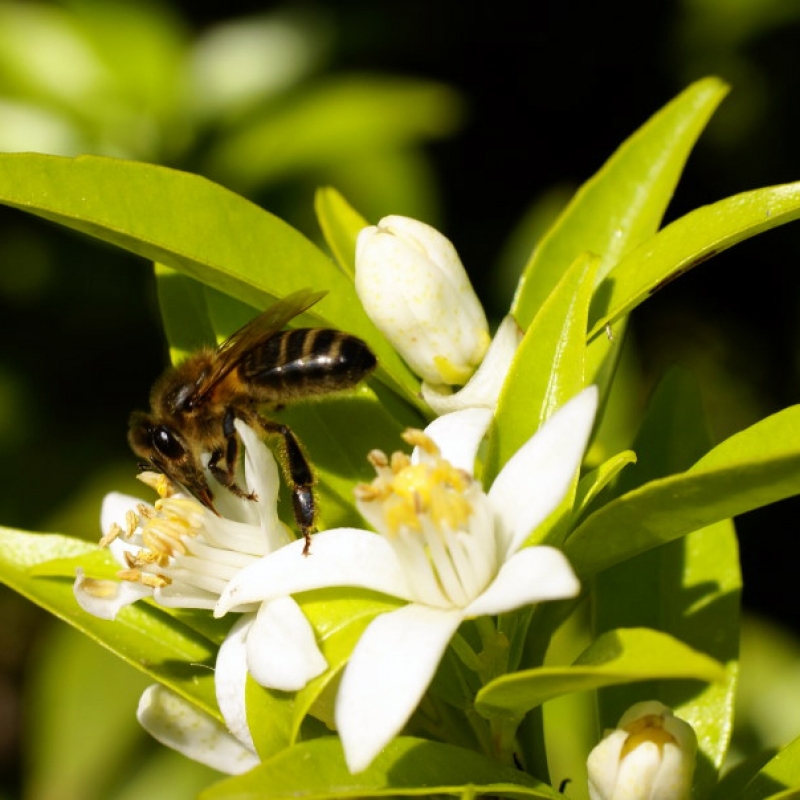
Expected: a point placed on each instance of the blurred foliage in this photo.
(275, 101)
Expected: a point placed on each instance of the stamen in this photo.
(159, 482)
(131, 522)
(113, 532)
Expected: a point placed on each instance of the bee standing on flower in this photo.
(194, 405)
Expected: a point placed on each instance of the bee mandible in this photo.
(194, 405)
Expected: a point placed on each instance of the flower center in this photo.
(160, 534)
(649, 728)
(438, 520)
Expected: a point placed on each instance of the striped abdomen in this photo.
(305, 362)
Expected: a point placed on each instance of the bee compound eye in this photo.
(165, 441)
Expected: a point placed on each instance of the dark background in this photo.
(550, 90)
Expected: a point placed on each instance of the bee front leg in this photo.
(226, 474)
(299, 477)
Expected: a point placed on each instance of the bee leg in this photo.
(299, 477)
(226, 474)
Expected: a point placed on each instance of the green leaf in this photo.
(623, 203)
(407, 767)
(340, 224)
(753, 468)
(200, 229)
(184, 313)
(687, 242)
(591, 484)
(619, 656)
(780, 773)
(142, 635)
(687, 588)
(548, 367)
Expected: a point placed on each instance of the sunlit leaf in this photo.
(687, 242)
(340, 224)
(623, 203)
(405, 768)
(142, 635)
(619, 656)
(757, 466)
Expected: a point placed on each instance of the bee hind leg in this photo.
(299, 477)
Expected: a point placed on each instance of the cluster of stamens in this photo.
(163, 529)
(432, 489)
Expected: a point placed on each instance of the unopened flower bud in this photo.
(414, 288)
(649, 756)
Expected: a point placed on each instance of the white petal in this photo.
(603, 765)
(114, 508)
(458, 436)
(282, 652)
(230, 679)
(103, 598)
(339, 557)
(535, 479)
(180, 725)
(532, 575)
(390, 669)
(483, 388)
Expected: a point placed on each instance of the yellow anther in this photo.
(113, 532)
(399, 462)
(100, 588)
(378, 459)
(131, 522)
(154, 581)
(417, 438)
(157, 481)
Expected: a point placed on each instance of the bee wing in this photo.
(277, 316)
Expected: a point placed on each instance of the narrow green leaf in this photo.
(196, 227)
(686, 588)
(779, 774)
(619, 656)
(340, 224)
(687, 242)
(407, 767)
(623, 203)
(548, 367)
(591, 484)
(142, 635)
(753, 468)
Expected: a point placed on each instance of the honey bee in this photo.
(194, 405)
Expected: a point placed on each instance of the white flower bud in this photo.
(649, 756)
(414, 288)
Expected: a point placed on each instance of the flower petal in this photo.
(230, 680)
(390, 668)
(483, 388)
(534, 480)
(180, 725)
(532, 575)
(282, 652)
(103, 598)
(339, 557)
(458, 436)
